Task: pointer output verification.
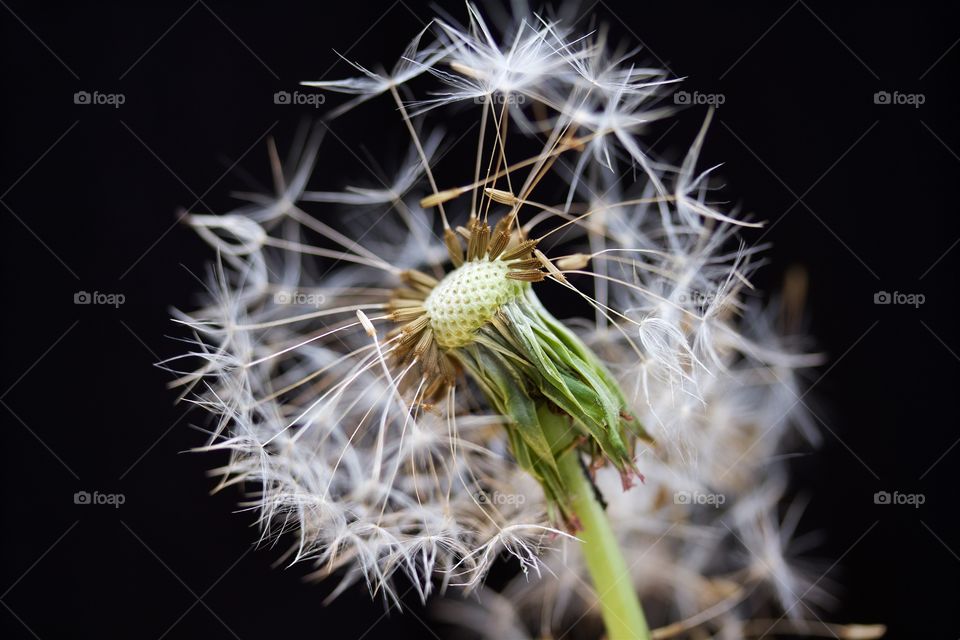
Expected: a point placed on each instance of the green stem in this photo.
(619, 605)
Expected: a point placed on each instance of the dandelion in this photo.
(394, 396)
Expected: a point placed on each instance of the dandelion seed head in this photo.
(374, 358)
(467, 298)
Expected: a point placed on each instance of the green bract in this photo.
(526, 362)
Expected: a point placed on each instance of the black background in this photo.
(861, 194)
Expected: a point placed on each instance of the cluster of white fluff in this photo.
(332, 451)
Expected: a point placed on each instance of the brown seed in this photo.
(501, 196)
(426, 339)
(525, 265)
(406, 293)
(415, 327)
(527, 276)
(419, 280)
(501, 236)
(545, 261)
(447, 369)
(483, 239)
(431, 359)
(402, 315)
(454, 248)
(520, 250)
(403, 303)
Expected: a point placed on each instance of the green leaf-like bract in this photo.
(526, 361)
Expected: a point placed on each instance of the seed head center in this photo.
(467, 298)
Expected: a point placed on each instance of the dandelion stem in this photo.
(619, 605)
